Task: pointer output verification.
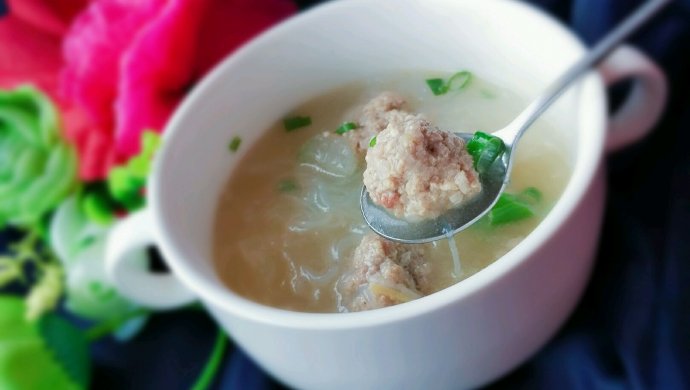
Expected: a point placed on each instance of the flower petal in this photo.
(27, 55)
(130, 62)
(156, 72)
(93, 48)
(50, 17)
(175, 50)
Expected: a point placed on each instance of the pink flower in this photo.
(30, 42)
(128, 63)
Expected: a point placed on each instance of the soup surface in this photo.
(288, 221)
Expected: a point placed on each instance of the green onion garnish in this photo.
(345, 127)
(513, 208)
(459, 80)
(509, 208)
(487, 94)
(235, 144)
(372, 142)
(485, 149)
(296, 122)
(437, 86)
(456, 82)
(287, 185)
(531, 195)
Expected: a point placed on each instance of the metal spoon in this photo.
(495, 181)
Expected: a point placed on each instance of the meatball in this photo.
(384, 273)
(375, 117)
(417, 171)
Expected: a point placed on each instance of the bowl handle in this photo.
(645, 103)
(127, 267)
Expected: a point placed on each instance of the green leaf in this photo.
(372, 142)
(12, 323)
(29, 361)
(98, 208)
(150, 142)
(139, 167)
(45, 294)
(40, 169)
(213, 363)
(10, 271)
(126, 188)
(126, 182)
(101, 291)
(68, 346)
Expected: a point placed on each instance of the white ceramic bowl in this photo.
(460, 337)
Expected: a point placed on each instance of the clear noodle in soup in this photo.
(289, 232)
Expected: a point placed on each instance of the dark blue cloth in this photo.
(631, 330)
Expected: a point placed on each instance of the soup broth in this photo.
(288, 220)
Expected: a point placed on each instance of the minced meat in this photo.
(374, 118)
(384, 273)
(417, 171)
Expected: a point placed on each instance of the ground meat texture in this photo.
(384, 273)
(417, 171)
(374, 118)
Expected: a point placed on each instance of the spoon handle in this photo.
(512, 133)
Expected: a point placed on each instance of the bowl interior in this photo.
(507, 43)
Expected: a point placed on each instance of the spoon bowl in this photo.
(452, 221)
(494, 180)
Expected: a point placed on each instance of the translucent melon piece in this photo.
(330, 155)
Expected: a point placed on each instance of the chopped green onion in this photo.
(235, 144)
(487, 94)
(514, 207)
(456, 82)
(531, 195)
(509, 208)
(372, 142)
(437, 86)
(287, 185)
(459, 80)
(485, 149)
(345, 127)
(296, 122)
